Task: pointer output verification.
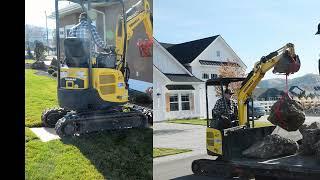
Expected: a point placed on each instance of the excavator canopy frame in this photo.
(219, 82)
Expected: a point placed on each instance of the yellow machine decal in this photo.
(214, 141)
(74, 78)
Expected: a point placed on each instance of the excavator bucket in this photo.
(287, 64)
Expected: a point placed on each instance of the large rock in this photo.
(271, 146)
(287, 113)
(311, 137)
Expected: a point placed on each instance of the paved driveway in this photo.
(180, 136)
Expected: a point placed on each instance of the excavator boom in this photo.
(257, 73)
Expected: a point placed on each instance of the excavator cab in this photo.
(214, 130)
(223, 83)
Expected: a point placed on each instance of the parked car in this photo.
(258, 110)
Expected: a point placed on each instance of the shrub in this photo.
(50, 70)
(38, 65)
(54, 74)
(54, 62)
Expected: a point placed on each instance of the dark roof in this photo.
(224, 81)
(182, 78)
(217, 63)
(272, 92)
(186, 52)
(295, 90)
(167, 45)
(179, 87)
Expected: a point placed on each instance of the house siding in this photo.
(160, 105)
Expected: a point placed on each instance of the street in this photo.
(179, 169)
(184, 136)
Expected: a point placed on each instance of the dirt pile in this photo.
(287, 113)
(271, 146)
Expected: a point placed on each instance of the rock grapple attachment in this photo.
(288, 64)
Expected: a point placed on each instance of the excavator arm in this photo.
(254, 77)
(138, 13)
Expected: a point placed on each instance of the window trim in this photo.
(174, 102)
(216, 75)
(188, 95)
(203, 74)
(218, 53)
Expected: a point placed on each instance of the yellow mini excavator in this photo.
(228, 144)
(92, 89)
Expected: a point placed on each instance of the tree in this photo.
(230, 69)
(39, 51)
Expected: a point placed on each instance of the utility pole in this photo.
(47, 32)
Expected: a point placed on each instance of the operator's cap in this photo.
(228, 91)
(318, 29)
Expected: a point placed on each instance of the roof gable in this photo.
(165, 62)
(186, 52)
(229, 56)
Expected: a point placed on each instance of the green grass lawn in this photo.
(123, 154)
(159, 152)
(204, 122)
(30, 61)
(106, 155)
(40, 93)
(189, 121)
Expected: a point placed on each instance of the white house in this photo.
(175, 89)
(180, 71)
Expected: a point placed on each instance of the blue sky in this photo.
(252, 28)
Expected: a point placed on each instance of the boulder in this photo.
(271, 146)
(287, 113)
(311, 136)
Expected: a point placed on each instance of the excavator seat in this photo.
(77, 52)
(106, 60)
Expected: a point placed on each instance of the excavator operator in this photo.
(84, 30)
(225, 111)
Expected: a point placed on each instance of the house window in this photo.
(213, 76)
(205, 76)
(185, 102)
(174, 105)
(218, 53)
